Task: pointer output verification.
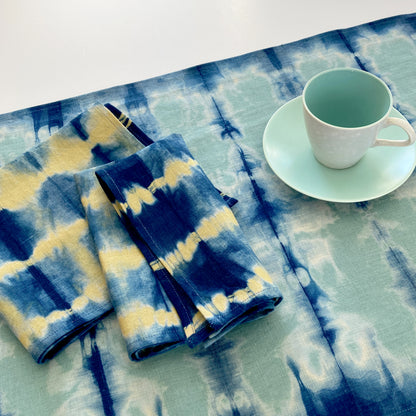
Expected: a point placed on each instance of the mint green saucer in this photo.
(288, 152)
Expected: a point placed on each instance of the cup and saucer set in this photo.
(341, 141)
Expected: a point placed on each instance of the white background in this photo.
(56, 49)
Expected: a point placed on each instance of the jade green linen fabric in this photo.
(342, 342)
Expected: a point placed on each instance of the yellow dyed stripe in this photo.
(141, 317)
(167, 318)
(174, 171)
(187, 249)
(255, 285)
(63, 156)
(156, 265)
(124, 120)
(118, 261)
(17, 188)
(65, 152)
(79, 303)
(211, 227)
(189, 330)
(72, 232)
(39, 326)
(220, 301)
(222, 220)
(101, 127)
(46, 247)
(138, 196)
(262, 273)
(184, 252)
(95, 289)
(197, 321)
(241, 296)
(119, 207)
(11, 268)
(95, 199)
(28, 329)
(207, 310)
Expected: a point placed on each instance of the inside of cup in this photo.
(347, 98)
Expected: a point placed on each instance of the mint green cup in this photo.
(344, 109)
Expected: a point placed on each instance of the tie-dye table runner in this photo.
(343, 341)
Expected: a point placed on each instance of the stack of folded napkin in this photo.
(100, 217)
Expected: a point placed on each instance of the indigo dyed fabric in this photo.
(149, 323)
(343, 341)
(62, 247)
(52, 288)
(212, 277)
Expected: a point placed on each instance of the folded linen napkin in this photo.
(183, 226)
(52, 278)
(149, 323)
(52, 287)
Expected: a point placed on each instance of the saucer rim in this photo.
(333, 199)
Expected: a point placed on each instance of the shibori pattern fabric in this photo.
(343, 341)
(209, 272)
(56, 258)
(52, 287)
(148, 321)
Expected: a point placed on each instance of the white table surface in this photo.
(56, 49)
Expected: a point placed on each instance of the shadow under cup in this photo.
(347, 98)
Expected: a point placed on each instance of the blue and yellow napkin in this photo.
(181, 223)
(52, 286)
(148, 321)
(170, 258)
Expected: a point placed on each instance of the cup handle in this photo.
(405, 125)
